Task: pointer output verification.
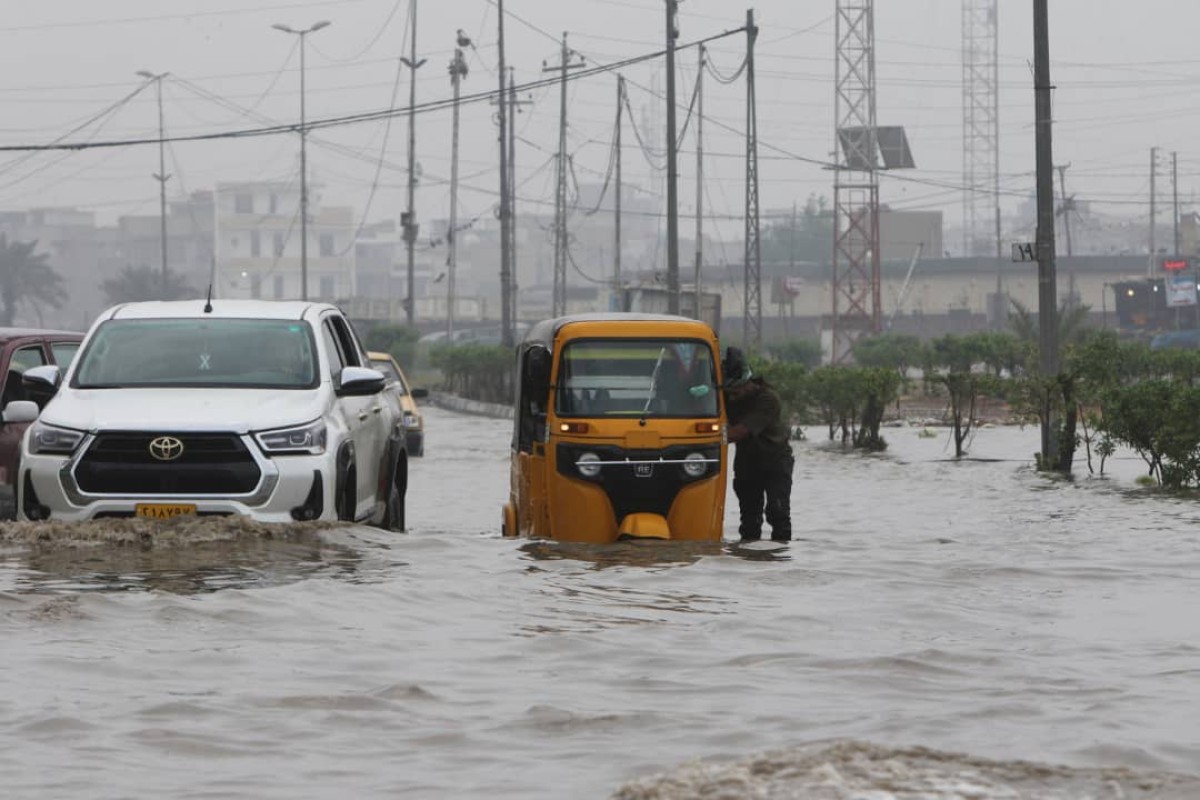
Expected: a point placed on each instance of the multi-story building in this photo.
(258, 244)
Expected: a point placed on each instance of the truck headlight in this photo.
(51, 440)
(588, 465)
(694, 465)
(308, 439)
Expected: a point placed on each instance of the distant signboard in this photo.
(1181, 291)
(1175, 264)
(1024, 251)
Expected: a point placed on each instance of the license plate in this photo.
(164, 510)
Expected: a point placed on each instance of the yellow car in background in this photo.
(406, 397)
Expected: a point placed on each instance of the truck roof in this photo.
(241, 309)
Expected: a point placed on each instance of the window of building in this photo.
(278, 287)
(279, 243)
(243, 203)
(255, 244)
(327, 287)
(274, 203)
(326, 244)
(256, 286)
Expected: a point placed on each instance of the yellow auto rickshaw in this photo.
(619, 431)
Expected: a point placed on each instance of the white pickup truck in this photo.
(226, 407)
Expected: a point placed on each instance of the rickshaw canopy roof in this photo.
(607, 324)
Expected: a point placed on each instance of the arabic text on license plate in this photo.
(164, 510)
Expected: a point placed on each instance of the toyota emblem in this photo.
(166, 448)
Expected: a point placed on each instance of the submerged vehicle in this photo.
(256, 408)
(619, 431)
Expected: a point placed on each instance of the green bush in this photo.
(477, 371)
(399, 340)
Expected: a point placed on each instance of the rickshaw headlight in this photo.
(694, 465)
(588, 465)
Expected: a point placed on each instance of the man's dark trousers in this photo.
(756, 479)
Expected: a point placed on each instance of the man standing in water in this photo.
(762, 467)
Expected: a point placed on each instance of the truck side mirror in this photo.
(20, 411)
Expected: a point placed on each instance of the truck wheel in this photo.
(393, 515)
(345, 494)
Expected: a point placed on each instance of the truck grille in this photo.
(121, 463)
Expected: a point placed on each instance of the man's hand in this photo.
(737, 433)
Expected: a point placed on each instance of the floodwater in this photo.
(938, 630)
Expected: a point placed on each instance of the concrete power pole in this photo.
(458, 71)
(672, 167)
(699, 288)
(1175, 192)
(408, 220)
(507, 265)
(617, 200)
(560, 194)
(161, 176)
(752, 320)
(1047, 279)
(1153, 211)
(1068, 205)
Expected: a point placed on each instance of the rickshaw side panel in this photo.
(699, 510)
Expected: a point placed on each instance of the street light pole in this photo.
(162, 175)
(303, 157)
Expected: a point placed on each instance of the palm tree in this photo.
(134, 284)
(25, 276)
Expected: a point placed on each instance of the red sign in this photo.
(1175, 264)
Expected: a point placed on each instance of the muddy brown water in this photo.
(938, 630)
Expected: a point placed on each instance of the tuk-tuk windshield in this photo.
(632, 377)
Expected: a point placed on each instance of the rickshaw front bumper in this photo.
(644, 526)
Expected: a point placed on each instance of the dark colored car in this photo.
(22, 349)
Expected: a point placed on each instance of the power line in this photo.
(351, 119)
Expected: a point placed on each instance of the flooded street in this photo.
(942, 621)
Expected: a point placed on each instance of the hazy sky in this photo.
(1127, 77)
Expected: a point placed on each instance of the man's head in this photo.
(734, 368)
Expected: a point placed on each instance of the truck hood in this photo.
(235, 410)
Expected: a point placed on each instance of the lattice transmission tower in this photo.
(981, 129)
(856, 290)
(863, 150)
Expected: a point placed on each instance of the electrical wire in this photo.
(352, 119)
(378, 35)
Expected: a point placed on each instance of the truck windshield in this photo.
(209, 353)
(638, 378)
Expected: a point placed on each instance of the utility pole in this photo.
(458, 71)
(1068, 205)
(1047, 279)
(617, 201)
(162, 177)
(408, 220)
(1175, 192)
(507, 293)
(303, 34)
(506, 118)
(1153, 211)
(672, 168)
(752, 321)
(560, 195)
(511, 221)
(699, 184)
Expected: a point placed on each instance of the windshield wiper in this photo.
(662, 353)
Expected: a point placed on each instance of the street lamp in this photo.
(316, 26)
(162, 175)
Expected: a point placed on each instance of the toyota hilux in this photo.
(264, 409)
